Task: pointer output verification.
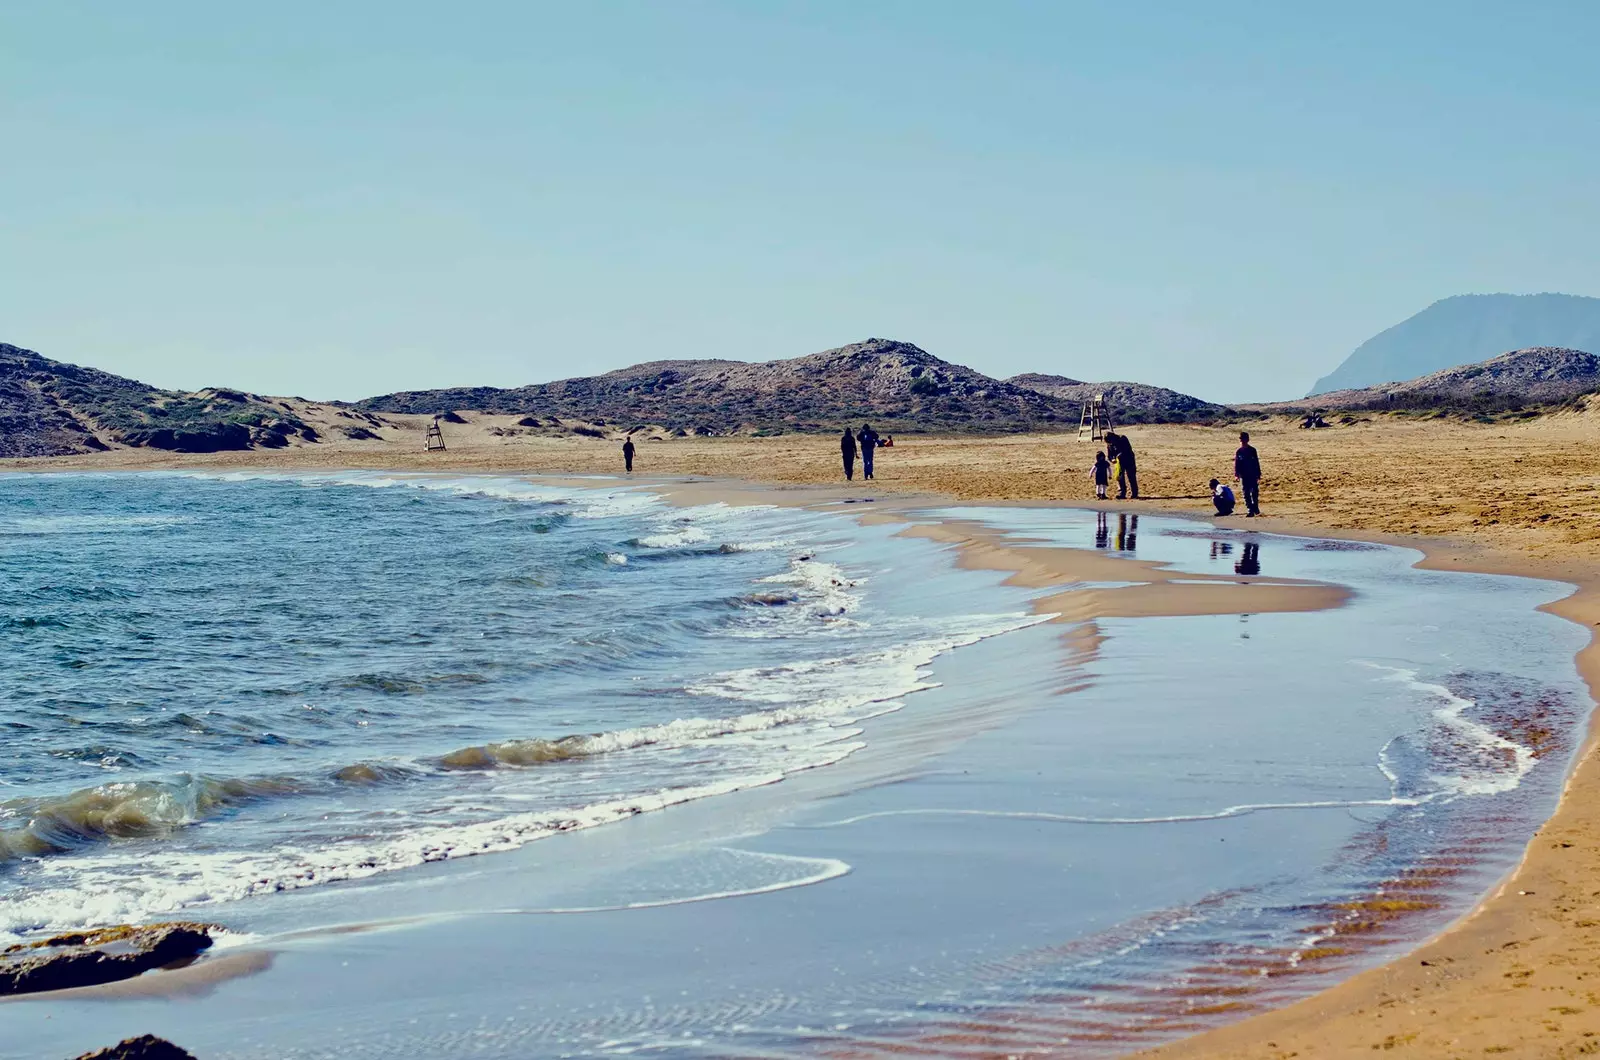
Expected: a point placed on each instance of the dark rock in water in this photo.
(144, 1047)
(105, 955)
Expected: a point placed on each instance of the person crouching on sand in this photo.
(1102, 475)
(847, 449)
(1222, 497)
(627, 456)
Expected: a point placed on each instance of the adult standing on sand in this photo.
(627, 454)
(1121, 451)
(847, 449)
(868, 439)
(1247, 469)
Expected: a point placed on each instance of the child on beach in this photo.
(1102, 475)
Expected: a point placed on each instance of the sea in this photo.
(891, 792)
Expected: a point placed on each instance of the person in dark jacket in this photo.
(847, 449)
(867, 438)
(627, 455)
(1121, 451)
(1247, 469)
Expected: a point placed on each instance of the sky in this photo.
(341, 200)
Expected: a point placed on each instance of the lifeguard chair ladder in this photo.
(1096, 419)
(435, 437)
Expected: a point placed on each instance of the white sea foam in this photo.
(98, 889)
(679, 537)
(1487, 763)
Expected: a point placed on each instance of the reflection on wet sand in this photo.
(1127, 532)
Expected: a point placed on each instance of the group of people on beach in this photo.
(866, 441)
(1117, 461)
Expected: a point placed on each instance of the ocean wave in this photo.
(809, 707)
(100, 890)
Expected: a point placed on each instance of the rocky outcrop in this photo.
(104, 955)
(144, 1047)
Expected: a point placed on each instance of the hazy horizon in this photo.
(339, 203)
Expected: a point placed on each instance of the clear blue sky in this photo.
(341, 199)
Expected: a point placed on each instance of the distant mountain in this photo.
(48, 408)
(1541, 375)
(1132, 402)
(1464, 330)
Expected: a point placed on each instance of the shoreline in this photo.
(1385, 1007)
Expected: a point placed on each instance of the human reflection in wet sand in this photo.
(1250, 562)
(1221, 548)
(1127, 532)
(1102, 532)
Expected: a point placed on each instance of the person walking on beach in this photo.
(627, 454)
(1102, 475)
(1222, 497)
(1247, 469)
(847, 449)
(868, 440)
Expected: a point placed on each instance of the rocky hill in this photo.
(48, 408)
(893, 385)
(1133, 402)
(1543, 375)
(1464, 330)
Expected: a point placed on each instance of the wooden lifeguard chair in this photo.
(435, 437)
(1096, 420)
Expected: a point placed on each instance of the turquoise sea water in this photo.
(755, 781)
(219, 688)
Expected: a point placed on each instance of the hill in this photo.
(1543, 375)
(48, 408)
(893, 385)
(1466, 329)
(1133, 402)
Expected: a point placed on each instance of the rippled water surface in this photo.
(219, 687)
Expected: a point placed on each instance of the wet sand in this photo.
(1516, 977)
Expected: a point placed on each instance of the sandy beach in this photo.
(1516, 976)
